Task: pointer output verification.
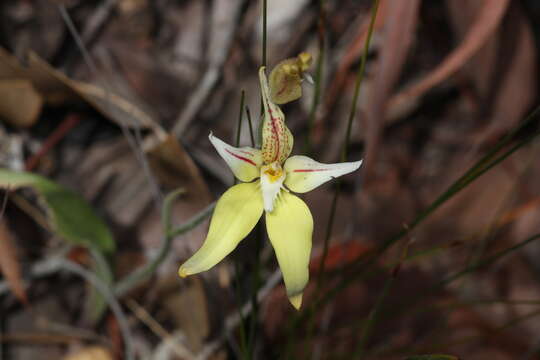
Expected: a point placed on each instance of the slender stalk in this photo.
(248, 113)
(487, 261)
(352, 114)
(488, 161)
(244, 346)
(329, 227)
(239, 126)
(259, 234)
(110, 297)
(264, 27)
(481, 167)
(144, 272)
(240, 113)
(372, 319)
(318, 77)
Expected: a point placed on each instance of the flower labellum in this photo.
(269, 176)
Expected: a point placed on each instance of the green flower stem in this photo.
(144, 272)
(243, 336)
(481, 167)
(488, 261)
(352, 114)
(372, 319)
(330, 224)
(318, 77)
(467, 270)
(252, 136)
(259, 233)
(264, 27)
(363, 265)
(110, 297)
(240, 113)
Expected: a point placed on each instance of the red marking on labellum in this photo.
(241, 157)
(274, 130)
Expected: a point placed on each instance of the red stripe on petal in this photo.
(310, 170)
(241, 157)
(246, 152)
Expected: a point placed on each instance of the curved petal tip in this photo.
(296, 301)
(183, 272)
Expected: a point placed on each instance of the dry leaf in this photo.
(56, 88)
(484, 26)
(20, 103)
(174, 167)
(399, 35)
(91, 353)
(9, 263)
(188, 309)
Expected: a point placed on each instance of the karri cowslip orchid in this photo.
(268, 177)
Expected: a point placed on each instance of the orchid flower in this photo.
(268, 177)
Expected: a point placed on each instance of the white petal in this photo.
(304, 174)
(244, 162)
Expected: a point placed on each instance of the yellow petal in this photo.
(244, 162)
(290, 228)
(304, 174)
(235, 215)
(277, 140)
(286, 79)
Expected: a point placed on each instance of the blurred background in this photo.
(106, 107)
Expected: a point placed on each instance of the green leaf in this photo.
(68, 214)
(432, 357)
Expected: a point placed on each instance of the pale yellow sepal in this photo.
(305, 174)
(286, 79)
(290, 228)
(235, 215)
(296, 301)
(244, 162)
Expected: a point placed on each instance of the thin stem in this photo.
(264, 27)
(478, 169)
(240, 113)
(248, 113)
(359, 78)
(318, 76)
(487, 261)
(372, 319)
(243, 338)
(142, 273)
(259, 233)
(109, 296)
(4, 202)
(329, 227)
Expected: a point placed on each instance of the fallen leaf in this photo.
(399, 35)
(20, 103)
(57, 88)
(9, 263)
(487, 21)
(188, 309)
(67, 212)
(90, 353)
(174, 167)
(352, 54)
